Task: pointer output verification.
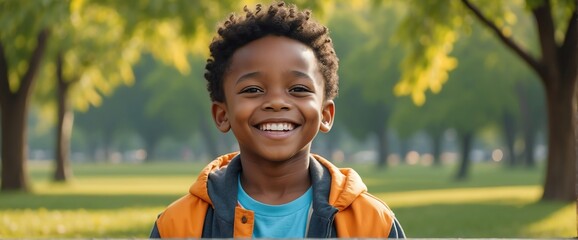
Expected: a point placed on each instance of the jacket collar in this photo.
(199, 188)
(346, 184)
(334, 189)
(222, 189)
(321, 222)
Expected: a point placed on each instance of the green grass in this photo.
(121, 201)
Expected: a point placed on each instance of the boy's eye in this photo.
(251, 89)
(299, 89)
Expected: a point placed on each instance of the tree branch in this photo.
(34, 62)
(4, 85)
(59, 68)
(533, 63)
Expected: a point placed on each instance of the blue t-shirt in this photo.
(287, 220)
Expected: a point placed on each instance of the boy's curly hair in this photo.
(279, 19)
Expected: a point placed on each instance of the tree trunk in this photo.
(463, 171)
(558, 70)
(437, 148)
(383, 149)
(14, 107)
(509, 127)
(576, 144)
(529, 148)
(403, 150)
(14, 147)
(150, 147)
(63, 171)
(561, 168)
(107, 144)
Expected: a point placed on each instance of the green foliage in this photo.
(180, 100)
(21, 21)
(481, 89)
(368, 67)
(101, 41)
(428, 34)
(562, 12)
(437, 25)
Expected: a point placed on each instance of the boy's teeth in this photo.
(276, 127)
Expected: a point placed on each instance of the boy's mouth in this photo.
(282, 126)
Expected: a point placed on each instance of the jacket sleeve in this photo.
(155, 232)
(396, 230)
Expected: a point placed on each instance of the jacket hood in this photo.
(199, 188)
(346, 184)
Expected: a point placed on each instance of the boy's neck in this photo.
(275, 182)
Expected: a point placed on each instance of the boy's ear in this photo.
(219, 111)
(328, 112)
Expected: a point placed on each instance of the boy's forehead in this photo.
(271, 50)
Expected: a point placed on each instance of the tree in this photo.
(469, 102)
(85, 42)
(91, 62)
(23, 43)
(14, 107)
(558, 70)
(555, 63)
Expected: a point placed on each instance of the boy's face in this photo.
(274, 99)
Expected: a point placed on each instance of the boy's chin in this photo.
(280, 156)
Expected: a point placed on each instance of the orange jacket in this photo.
(346, 206)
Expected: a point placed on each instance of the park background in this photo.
(458, 114)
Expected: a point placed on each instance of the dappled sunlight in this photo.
(522, 194)
(84, 201)
(118, 185)
(126, 222)
(558, 223)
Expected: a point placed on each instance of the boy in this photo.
(272, 77)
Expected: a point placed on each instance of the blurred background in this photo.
(461, 115)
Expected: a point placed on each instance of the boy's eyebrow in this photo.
(247, 76)
(254, 74)
(302, 74)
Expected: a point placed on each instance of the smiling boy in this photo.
(272, 78)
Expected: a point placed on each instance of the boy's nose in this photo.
(276, 102)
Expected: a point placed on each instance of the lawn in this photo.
(122, 201)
